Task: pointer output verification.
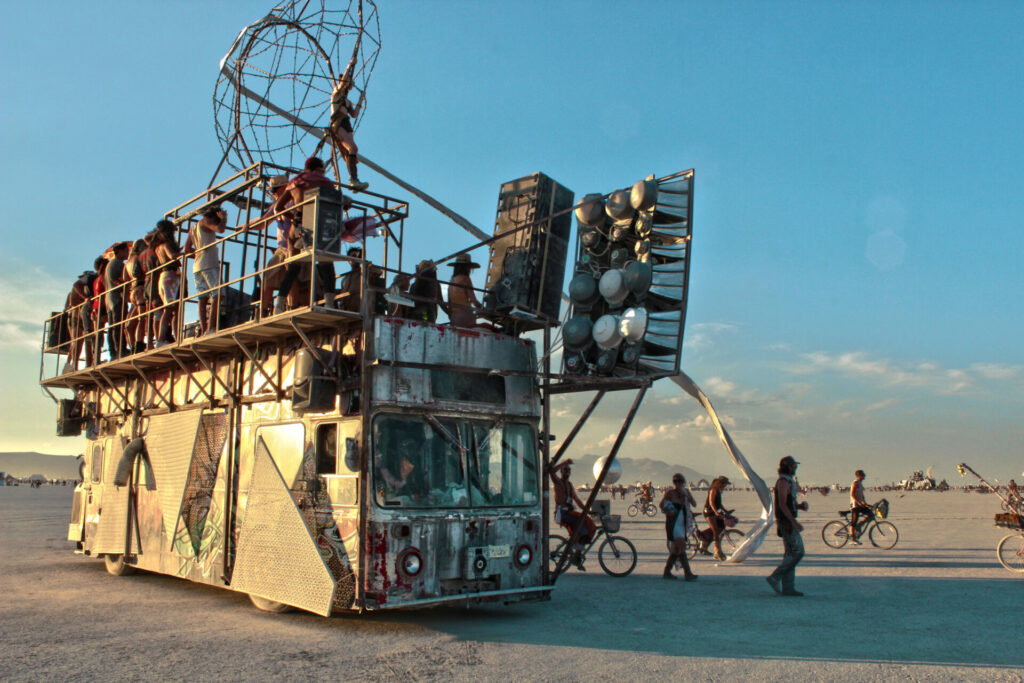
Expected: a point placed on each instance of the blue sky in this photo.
(856, 283)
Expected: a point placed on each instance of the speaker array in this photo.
(630, 280)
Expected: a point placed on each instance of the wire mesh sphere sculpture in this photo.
(272, 101)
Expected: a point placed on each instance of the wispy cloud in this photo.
(700, 336)
(26, 300)
(859, 364)
(998, 370)
(880, 405)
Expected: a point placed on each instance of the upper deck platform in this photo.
(239, 339)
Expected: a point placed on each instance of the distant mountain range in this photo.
(24, 465)
(634, 470)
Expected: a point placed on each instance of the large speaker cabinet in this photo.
(526, 268)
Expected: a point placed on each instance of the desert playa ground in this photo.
(936, 607)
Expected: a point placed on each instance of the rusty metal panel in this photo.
(448, 348)
(113, 521)
(277, 558)
(169, 442)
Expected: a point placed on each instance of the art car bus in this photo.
(431, 497)
(322, 459)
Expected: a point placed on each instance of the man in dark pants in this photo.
(781, 580)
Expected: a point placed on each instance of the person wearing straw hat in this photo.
(788, 529)
(462, 301)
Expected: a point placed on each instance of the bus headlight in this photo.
(524, 555)
(410, 562)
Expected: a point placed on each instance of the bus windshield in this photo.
(441, 462)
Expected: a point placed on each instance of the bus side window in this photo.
(327, 448)
(352, 454)
(97, 463)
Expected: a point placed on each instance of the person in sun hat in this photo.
(462, 301)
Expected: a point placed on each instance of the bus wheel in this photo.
(269, 605)
(116, 566)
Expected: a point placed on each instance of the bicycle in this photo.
(616, 554)
(882, 533)
(642, 505)
(730, 540)
(1010, 550)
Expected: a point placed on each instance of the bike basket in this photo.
(882, 509)
(611, 523)
(1009, 520)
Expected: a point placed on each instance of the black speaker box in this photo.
(325, 216)
(312, 390)
(526, 269)
(69, 417)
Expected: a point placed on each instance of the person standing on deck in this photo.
(202, 236)
(462, 301)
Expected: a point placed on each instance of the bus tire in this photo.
(272, 606)
(116, 565)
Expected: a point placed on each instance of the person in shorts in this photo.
(340, 130)
(566, 513)
(165, 246)
(201, 242)
(136, 297)
(858, 506)
(114, 277)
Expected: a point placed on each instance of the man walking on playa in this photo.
(781, 580)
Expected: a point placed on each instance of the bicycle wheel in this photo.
(651, 510)
(1011, 553)
(692, 543)
(617, 556)
(835, 534)
(883, 534)
(633, 510)
(731, 540)
(557, 543)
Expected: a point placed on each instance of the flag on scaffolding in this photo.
(358, 228)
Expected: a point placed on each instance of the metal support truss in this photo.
(259, 366)
(576, 428)
(152, 386)
(213, 374)
(125, 406)
(185, 369)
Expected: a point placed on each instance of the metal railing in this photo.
(88, 334)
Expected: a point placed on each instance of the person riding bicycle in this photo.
(566, 513)
(676, 504)
(715, 513)
(858, 506)
(647, 492)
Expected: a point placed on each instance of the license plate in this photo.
(496, 552)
